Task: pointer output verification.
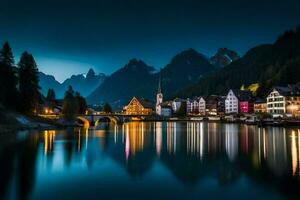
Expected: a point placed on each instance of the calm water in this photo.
(152, 161)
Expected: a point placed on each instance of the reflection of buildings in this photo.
(231, 141)
(295, 152)
(49, 137)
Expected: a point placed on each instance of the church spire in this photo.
(159, 84)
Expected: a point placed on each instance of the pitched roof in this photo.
(243, 95)
(259, 101)
(290, 90)
(146, 103)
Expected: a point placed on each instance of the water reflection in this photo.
(193, 153)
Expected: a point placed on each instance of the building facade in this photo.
(284, 100)
(231, 103)
(176, 104)
(202, 106)
(260, 106)
(215, 105)
(138, 107)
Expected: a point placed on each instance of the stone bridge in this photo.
(94, 119)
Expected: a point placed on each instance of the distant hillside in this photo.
(83, 84)
(184, 70)
(268, 65)
(134, 79)
(224, 57)
(138, 79)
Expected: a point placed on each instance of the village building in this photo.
(239, 101)
(176, 104)
(284, 100)
(231, 103)
(192, 105)
(138, 107)
(202, 106)
(260, 106)
(215, 105)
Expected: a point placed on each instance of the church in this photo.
(162, 108)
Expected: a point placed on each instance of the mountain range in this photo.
(266, 65)
(141, 80)
(191, 73)
(83, 84)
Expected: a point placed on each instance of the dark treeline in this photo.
(73, 104)
(19, 85)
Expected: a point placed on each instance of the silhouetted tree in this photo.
(51, 95)
(181, 112)
(81, 103)
(8, 78)
(28, 84)
(70, 105)
(107, 108)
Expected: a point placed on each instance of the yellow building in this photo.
(260, 106)
(138, 107)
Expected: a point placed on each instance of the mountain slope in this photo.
(224, 57)
(267, 65)
(83, 84)
(185, 69)
(134, 79)
(138, 79)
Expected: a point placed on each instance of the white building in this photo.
(176, 104)
(231, 103)
(202, 106)
(284, 100)
(196, 106)
(276, 102)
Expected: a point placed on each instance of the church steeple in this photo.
(159, 84)
(159, 97)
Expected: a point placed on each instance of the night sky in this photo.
(105, 34)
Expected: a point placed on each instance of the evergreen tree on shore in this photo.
(28, 84)
(70, 105)
(8, 78)
(51, 95)
(82, 105)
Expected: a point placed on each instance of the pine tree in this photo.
(28, 84)
(81, 103)
(8, 78)
(70, 105)
(107, 108)
(51, 95)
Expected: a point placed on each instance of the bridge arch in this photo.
(86, 122)
(114, 119)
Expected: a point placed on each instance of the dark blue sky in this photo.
(68, 37)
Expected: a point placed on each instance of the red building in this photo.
(246, 106)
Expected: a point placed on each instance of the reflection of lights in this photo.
(195, 139)
(48, 140)
(86, 138)
(134, 141)
(158, 135)
(127, 145)
(294, 152)
(79, 140)
(115, 133)
(201, 140)
(231, 142)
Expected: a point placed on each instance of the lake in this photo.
(152, 160)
